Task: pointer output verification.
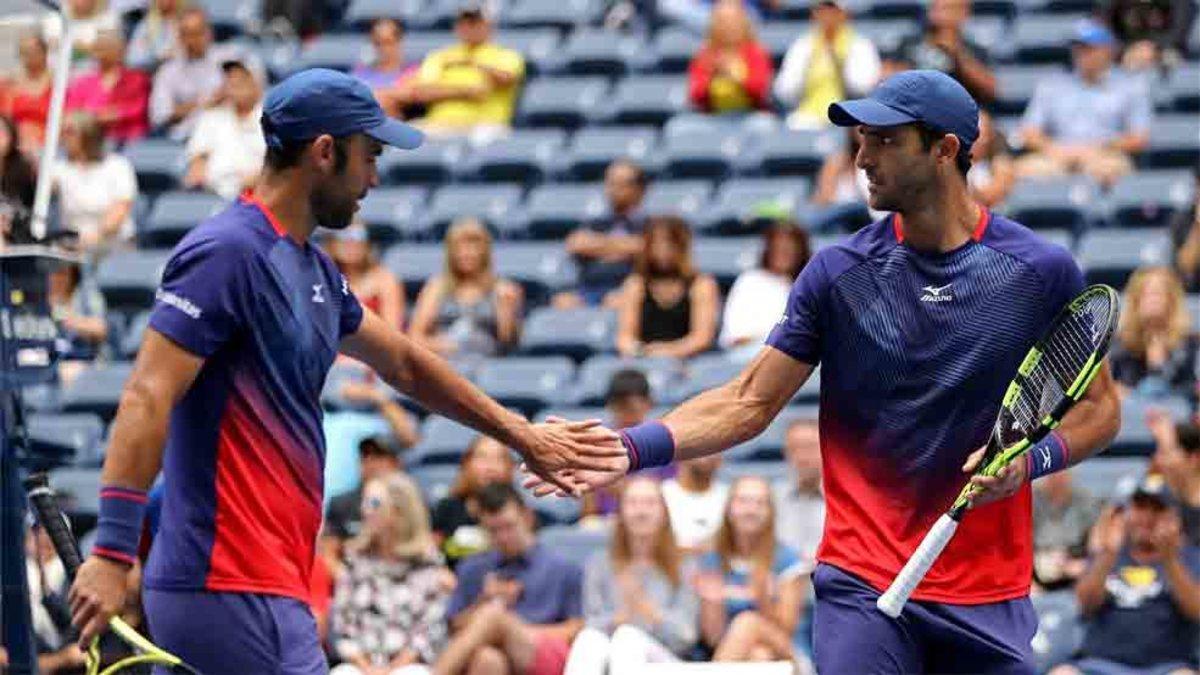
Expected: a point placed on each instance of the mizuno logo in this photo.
(937, 294)
(317, 297)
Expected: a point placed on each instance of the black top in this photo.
(666, 323)
(1177, 376)
(344, 519)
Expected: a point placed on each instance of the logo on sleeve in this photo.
(937, 294)
(178, 302)
(345, 286)
(317, 297)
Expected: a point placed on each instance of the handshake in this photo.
(569, 459)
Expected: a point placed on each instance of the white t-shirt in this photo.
(695, 516)
(87, 191)
(234, 146)
(756, 303)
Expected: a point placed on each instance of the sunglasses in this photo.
(373, 503)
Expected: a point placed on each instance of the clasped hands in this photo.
(569, 459)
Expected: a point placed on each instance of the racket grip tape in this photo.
(893, 600)
(45, 505)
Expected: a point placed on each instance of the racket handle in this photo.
(45, 506)
(893, 600)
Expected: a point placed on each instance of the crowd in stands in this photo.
(709, 560)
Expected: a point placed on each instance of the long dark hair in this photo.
(787, 230)
(18, 181)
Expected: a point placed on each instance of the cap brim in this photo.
(397, 134)
(867, 111)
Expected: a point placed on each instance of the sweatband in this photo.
(649, 445)
(119, 529)
(1048, 456)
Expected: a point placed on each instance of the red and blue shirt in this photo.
(245, 451)
(916, 350)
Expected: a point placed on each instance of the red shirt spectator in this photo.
(732, 72)
(26, 97)
(117, 95)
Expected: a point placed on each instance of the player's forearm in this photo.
(718, 419)
(139, 433)
(1093, 423)
(1185, 590)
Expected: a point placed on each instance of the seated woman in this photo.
(78, 307)
(455, 521)
(1155, 351)
(667, 307)
(992, 175)
(759, 295)
(96, 188)
(637, 603)
(751, 587)
(839, 199)
(373, 284)
(467, 310)
(390, 603)
(732, 71)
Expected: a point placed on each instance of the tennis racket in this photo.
(45, 506)
(1053, 377)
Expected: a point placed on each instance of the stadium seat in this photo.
(795, 152)
(563, 14)
(732, 210)
(539, 46)
(339, 51)
(888, 9)
(769, 445)
(1110, 256)
(79, 488)
(1110, 478)
(414, 263)
(435, 480)
(595, 374)
(1174, 142)
(386, 210)
(885, 33)
(592, 149)
(562, 102)
(341, 373)
(810, 391)
(229, 18)
(360, 13)
(430, 163)
(1134, 437)
(575, 544)
(419, 44)
(128, 279)
(96, 390)
(555, 209)
(131, 338)
(1040, 38)
(701, 373)
(158, 163)
(595, 51)
(683, 198)
(733, 469)
(497, 205)
(702, 154)
(988, 32)
(541, 268)
(443, 441)
(674, 47)
(644, 99)
(525, 156)
(1150, 198)
(727, 257)
(576, 333)
(71, 438)
(573, 413)
(174, 213)
(528, 383)
(1015, 85)
(779, 36)
(1182, 85)
(1059, 633)
(1046, 203)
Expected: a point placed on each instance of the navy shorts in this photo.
(243, 633)
(852, 637)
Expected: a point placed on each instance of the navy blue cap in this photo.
(930, 97)
(321, 101)
(1093, 33)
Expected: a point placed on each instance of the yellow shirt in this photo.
(455, 66)
(728, 94)
(824, 83)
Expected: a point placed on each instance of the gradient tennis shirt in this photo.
(245, 451)
(916, 350)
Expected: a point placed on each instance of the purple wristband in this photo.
(649, 445)
(119, 529)
(1047, 456)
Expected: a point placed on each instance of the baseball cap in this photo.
(1154, 487)
(379, 444)
(320, 101)
(1093, 34)
(930, 97)
(473, 8)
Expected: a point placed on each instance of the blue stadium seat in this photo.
(494, 204)
(560, 101)
(732, 209)
(1053, 202)
(528, 383)
(158, 163)
(573, 413)
(419, 44)
(343, 372)
(1059, 633)
(360, 13)
(386, 210)
(674, 47)
(435, 480)
(539, 46)
(229, 18)
(1134, 437)
(592, 149)
(527, 155)
(79, 487)
(128, 279)
(1110, 478)
(340, 51)
(988, 32)
(702, 373)
(795, 152)
(595, 51)
(644, 99)
(888, 9)
(726, 257)
(596, 372)
(174, 213)
(430, 163)
(770, 444)
(886, 33)
(131, 338)
(778, 36)
(1174, 142)
(702, 154)
(541, 268)
(97, 390)
(734, 469)
(443, 441)
(74, 438)
(576, 333)
(810, 391)
(684, 198)
(1182, 86)
(575, 544)
(1040, 38)
(1150, 198)
(1110, 256)
(1015, 85)
(551, 13)
(414, 263)
(555, 209)
(1001, 9)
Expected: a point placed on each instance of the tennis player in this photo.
(249, 317)
(920, 320)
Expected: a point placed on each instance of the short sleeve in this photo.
(798, 333)
(350, 314)
(573, 589)
(1141, 110)
(201, 142)
(431, 67)
(1063, 279)
(122, 181)
(199, 304)
(470, 583)
(788, 564)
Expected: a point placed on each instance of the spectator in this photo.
(668, 308)
(467, 310)
(190, 81)
(695, 502)
(373, 284)
(117, 95)
(378, 458)
(225, 152)
(638, 607)
(388, 75)
(696, 15)
(1153, 33)
(471, 87)
(1185, 235)
(607, 247)
(1141, 592)
(1177, 457)
(992, 172)
(732, 71)
(517, 607)
(1091, 121)
(830, 63)
(759, 295)
(390, 601)
(80, 311)
(96, 187)
(89, 18)
(841, 198)
(799, 499)
(1155, 354)
(456, 516)
(751, 588)
(1062, 516)
(156, 37)
(26, 96)
(18, 178)
(944, 46)
(58, 654)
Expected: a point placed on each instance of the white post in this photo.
(58, 96)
